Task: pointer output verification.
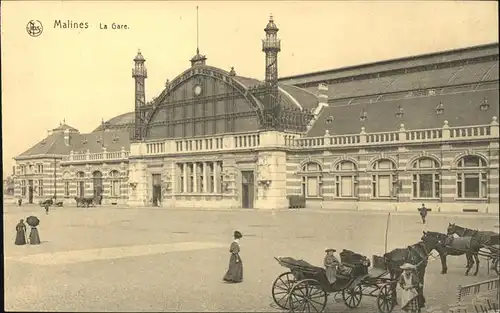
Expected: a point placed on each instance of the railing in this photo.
(445, 133)
(92, 157)
(482, 296)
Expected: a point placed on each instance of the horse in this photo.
(416, 254)
(469, 246)
(486, 238)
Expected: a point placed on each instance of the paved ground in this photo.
(151, 259)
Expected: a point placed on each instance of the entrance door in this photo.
(81, 188)
(247, 189)
(156, 189)
(97, 180)
(30, 191)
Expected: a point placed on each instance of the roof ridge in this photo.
(302, 89)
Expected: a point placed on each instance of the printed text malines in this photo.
(70, 24)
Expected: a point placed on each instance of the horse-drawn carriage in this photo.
(50, 202)
(85, 201)
(305, 288)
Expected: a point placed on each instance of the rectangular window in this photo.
(304, 189)
(199, 179)
(312, 187)
(40, 187)
(66, 188)
(345, 186)
(484, 185)
(190, 174)
(471, 185)
(415, 186)
(374, 186)
(384, 185)
(23, 188)
(210, 181)
(425, 185)
(221, 177)
(437, 186)
(115, 188)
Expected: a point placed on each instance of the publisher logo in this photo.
(34, 28)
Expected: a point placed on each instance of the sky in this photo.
(84, 75)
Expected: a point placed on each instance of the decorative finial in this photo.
(271, 18)
(232, 71)
(494, 119)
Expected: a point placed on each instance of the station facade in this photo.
(387, 135)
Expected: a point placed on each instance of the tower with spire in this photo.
(139, 73)
(271, 45)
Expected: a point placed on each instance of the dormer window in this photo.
(440, 108)
(84, 141)
(399, 112)
(329, 119)
(116, 138)
(485, 105)
(363, 115)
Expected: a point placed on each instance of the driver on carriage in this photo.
(331, 264)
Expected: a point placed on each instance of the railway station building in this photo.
(389, 135)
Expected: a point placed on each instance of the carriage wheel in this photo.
(496, 266)
(281, 289)
(307, 296)
(386, 300)
(352, 296)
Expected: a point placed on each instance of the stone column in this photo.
(205, 189)
(217, 178)
(185, 174)
(195, 177)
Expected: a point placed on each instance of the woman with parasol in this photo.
(33, 221)
(235, 272)
(20, 233)
(410, 284)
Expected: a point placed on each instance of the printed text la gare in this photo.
(68, 24)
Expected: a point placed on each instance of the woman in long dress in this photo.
(20, 233)
(34, 237)
(410, 284)
(234, 273)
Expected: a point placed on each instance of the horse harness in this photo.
(424, 258)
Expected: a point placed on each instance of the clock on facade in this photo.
(197, 90)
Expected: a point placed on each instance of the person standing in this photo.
(410, 284)
(34, 236)
(46, 208)
(234, 273)
(423, 213)
(331, 263)
(20, 233)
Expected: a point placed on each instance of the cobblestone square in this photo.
(150, 259)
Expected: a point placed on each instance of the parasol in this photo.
(33, 221)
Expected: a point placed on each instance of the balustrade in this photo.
(100, 156)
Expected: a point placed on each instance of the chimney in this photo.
(323, 98)
(323, 94)
(66, 137)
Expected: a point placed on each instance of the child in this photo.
(410, 283)
(331, 263)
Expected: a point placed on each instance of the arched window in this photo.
(384, 179)
(472, 177)
(312, 180)
(426, 181)
(80, 190)
(66, 180)
(115, 183)
(346, 180)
